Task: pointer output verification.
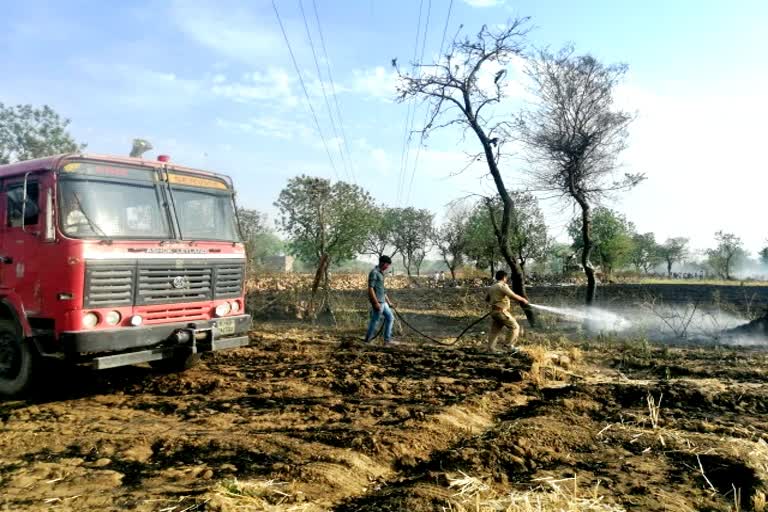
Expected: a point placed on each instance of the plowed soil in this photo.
(309, 419)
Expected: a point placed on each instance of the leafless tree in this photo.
(456, 96)
(574, 134)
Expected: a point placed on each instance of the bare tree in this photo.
(456, 95)
(574, 134)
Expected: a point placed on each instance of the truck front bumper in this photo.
(155, 342)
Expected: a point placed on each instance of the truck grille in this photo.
(229, 281)
(162, 284)
(108, 286)
(144, 283)
(162, 314)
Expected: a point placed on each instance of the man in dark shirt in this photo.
(380, 304)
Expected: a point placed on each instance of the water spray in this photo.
(599, 318)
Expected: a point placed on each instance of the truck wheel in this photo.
(178, 363)
(17, 360)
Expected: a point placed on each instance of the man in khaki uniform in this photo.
(498, 296)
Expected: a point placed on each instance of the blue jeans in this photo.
(389, 320)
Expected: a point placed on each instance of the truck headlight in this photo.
(112, 318)
(235, 306)
(90, 320)
(223, 309)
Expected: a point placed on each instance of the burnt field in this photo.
(308, 419)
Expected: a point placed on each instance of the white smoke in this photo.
(662, 323)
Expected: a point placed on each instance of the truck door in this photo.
(21, 241)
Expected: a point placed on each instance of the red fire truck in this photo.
(111, 261)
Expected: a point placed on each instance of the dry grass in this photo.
(257, 495)
(575, 354)
(759, 502)
(547, 494)
(654, 409)
(549, 365)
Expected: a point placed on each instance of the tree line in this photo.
(330, 223)
(355, 225)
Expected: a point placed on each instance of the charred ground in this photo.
(308, 419)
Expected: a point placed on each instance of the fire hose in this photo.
(426, 336)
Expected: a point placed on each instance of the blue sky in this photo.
(211, 83)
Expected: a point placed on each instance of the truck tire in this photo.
(178, 363)
(18, 360)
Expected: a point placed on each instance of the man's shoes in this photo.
(392, 343)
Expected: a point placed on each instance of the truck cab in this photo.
(110, 261)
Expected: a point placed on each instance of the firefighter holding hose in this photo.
(499, 295)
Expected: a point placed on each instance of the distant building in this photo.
(279, 263)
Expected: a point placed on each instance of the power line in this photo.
(445, 30)
(408, 116)
(304, 88)
(333, 92)
(325, 95)
(426, 115)
(410, 130)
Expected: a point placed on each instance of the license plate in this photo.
(226, 326)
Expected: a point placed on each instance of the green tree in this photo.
(574, 134)
(413, 236)
(611, 235)
(451, 240)
(324, 223)
(528, 231)
(528, 237)
(27, 132)
(260, 240)
(764, 256)
(728, 253)
(380, 240)
(673, 250)
(482, 247)
(558, 258)
(645, 252)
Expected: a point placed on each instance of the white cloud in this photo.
(484, 3)
(380, 161)
(278, 128)
(232, 31)
(274, 84)
(377, 83)
(141, 87)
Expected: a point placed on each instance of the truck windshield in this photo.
(105, 200)
(106, 209)
(205, 215)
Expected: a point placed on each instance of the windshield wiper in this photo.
(95, 227)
